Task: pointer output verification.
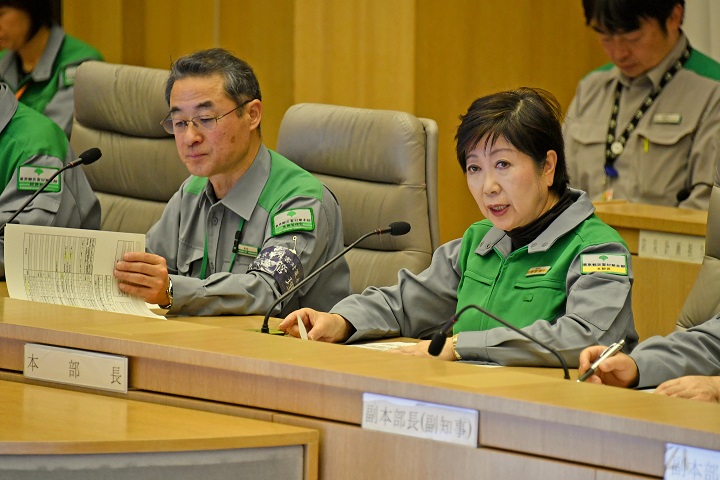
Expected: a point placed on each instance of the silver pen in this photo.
(607, 353)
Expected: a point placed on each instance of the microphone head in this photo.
(683, 195)
(90, 155)
(399, 228)
(437, 343)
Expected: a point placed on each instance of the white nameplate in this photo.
(76, 367)
(683, 462)
(420, 419)
(671, 246)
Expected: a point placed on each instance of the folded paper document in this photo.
(69, 266)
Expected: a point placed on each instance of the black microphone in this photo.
(86, 158)
(395, 229)
(684, 194)
(438, 339)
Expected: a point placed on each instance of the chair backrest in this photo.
(118, 108)
(382, 167)
(703, 301)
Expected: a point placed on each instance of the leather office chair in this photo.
(382, 167)
(118, 108)
(703, 301)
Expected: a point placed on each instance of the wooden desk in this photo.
(531, 425)
(48, 429)
(661, 286)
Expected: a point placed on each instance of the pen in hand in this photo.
(609, 352)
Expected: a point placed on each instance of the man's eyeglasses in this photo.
(176, 126)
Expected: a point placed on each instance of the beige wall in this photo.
(427, 57)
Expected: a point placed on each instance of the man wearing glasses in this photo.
(248, 224)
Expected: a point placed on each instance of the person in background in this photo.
(645, 128)
(32, 147)
(684, 364)
(248, 224)
(38, 60)
(542, 259)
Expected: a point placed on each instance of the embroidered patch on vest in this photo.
(30, 178)
(604, 262)
(282, 264)
(299, 219)
(538, 271)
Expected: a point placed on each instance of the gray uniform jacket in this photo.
(247, 287)
(598, 308)
(675, 146)
(695, 351)
(51, 84)
(29, 139)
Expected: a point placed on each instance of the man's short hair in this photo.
(621, 16)
(241, 84)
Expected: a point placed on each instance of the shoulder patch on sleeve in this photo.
(603, 262)
(31, 177)
(299, 219)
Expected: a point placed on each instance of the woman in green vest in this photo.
(38, 60)
(541, 259)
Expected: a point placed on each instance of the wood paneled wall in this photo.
(426, 57)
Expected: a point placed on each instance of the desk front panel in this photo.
(55, 433)
(661, 286)
(525, 412)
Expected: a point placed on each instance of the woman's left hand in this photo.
(420, 349)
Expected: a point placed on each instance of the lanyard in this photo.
(615, 146)
(203, 268)
(20, 91)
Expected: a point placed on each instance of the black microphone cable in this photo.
(86, 158)
(684, 194)
(438, 339)
(395, 229)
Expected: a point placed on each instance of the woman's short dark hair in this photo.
(530, 119)
(621, 16)
(42, 13)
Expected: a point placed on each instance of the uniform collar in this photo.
(43, 70)
(575, 214)
(244, 195)
(8, 105)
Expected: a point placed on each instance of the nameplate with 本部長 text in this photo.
(413, 418)
(76, 367)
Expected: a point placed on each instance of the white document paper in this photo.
(68, 266)
(382, 346)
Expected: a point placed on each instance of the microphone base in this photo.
(271, 331)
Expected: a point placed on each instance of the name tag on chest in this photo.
(667, 118)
